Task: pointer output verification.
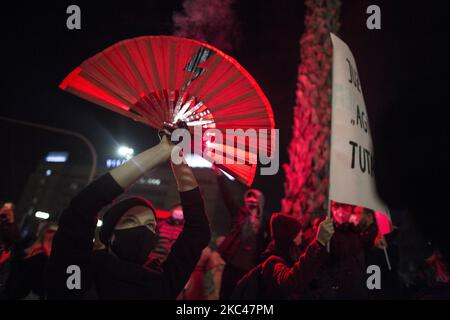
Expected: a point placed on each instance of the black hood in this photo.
(113, 215)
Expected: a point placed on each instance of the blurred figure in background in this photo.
(285, 274)
(409, 249)
(26, 279)
(213, 276)
(9, 234)
(243, 246)
(437, 278)
(285, 232)
(195, 287)
(365, 222)
(205, 280)
(167, 231)
(378, 252)
(427, 279)
(344, 275)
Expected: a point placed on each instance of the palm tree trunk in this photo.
(307, 173)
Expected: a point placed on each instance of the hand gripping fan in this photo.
(161, 80)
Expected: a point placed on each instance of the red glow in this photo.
(384, 223)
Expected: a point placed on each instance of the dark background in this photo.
(403, 67)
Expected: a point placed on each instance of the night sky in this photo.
(403, 67)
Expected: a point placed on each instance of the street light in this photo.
(125, 152)
(42, 215)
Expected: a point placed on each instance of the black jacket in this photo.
(27, 275)
(103, 275)
(343, 276)
(279, 278)
(239, 216)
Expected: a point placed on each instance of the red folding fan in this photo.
(165, 79)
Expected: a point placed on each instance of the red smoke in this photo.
(212, 21)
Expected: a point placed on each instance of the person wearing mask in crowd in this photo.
(344, 274)
(128, 234)
(26, 279)
(285, 274)
(168, 231)
(9, 234)
(242, 248)
(374, 247)
(364, 221)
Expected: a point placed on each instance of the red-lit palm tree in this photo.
(307, 173)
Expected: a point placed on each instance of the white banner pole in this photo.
(387, 258)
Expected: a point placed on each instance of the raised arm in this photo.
(184, 177)
(196, 234)
(132, 170)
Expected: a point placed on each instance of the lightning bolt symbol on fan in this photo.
(182, 111)
(200, 56)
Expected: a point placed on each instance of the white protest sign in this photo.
(351, 153)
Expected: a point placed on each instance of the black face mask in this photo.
(134, 244)
(252, 205)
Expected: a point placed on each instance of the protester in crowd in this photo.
(408, 248)
(168, 231)
(431, 280)
(214, 272)
(195, 288)
(9, 234)
(348, 251)
(128, 234)
(243, 246)
(285, 233)
(283, 275)
(344, 275)
(26, 279)
(365, 222)
(205, 280)
(384, 254)
(440, 270)
(378, 252)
